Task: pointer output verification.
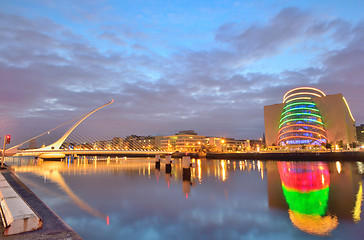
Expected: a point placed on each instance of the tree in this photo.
(353, 145)
(328, 145)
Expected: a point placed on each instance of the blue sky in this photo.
(210, 66)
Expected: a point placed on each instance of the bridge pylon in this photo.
(57, 144)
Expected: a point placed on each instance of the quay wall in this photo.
(54, 228)
(291, 156)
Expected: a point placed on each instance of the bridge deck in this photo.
(91, 152)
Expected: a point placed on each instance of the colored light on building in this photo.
(304, 111)
(303, 139)
(299, 103)
(287, 115)
(298, 108)
(305, 120)
(301, 122)
(305, 126)
(347, 105)
(300, 93)
(293, 99)
(300, 89)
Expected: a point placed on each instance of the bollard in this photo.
(168, 168)
(186, 161)
(168, 159)
(168, 164)
(157, 161)
(158, 165)
(186, 174)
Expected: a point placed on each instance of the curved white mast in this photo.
(56, 145)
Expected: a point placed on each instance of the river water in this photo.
(131, 198)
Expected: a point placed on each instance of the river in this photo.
(131, 198)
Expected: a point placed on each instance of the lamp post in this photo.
(6, 141)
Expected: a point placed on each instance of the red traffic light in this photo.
(7, 139)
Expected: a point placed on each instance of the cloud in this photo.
(288, 28)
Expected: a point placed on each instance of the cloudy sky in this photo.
(210, 66)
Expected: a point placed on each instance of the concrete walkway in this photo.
(53, 226)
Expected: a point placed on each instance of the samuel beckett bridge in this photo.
(87, 144)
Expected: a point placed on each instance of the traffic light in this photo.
(7, 139)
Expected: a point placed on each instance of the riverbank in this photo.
(53, 226)
(291, 156)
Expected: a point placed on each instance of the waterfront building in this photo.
(189, 141)
(232, 145)
(360, 133)
(308, 118)
(184, 141)
(214, 144)
(168, 143)
(140, 142)
(100, 145)
(256, 144)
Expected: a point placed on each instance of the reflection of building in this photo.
(315, 193)
(306, 190)
(345, 191)
(309, 117)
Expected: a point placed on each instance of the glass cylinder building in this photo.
(308, 118)
(301, 121)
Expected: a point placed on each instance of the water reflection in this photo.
(51, 171)
(86, 165)
(306, 190)
(317, 195)
(318, 198)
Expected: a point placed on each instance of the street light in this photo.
(6, 141)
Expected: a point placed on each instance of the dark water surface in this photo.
(129, 198)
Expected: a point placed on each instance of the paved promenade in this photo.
(53, 226)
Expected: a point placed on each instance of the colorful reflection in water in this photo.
(134, 198)
(306, 189)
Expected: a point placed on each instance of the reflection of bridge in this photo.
(51, 171)
(55, 150)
